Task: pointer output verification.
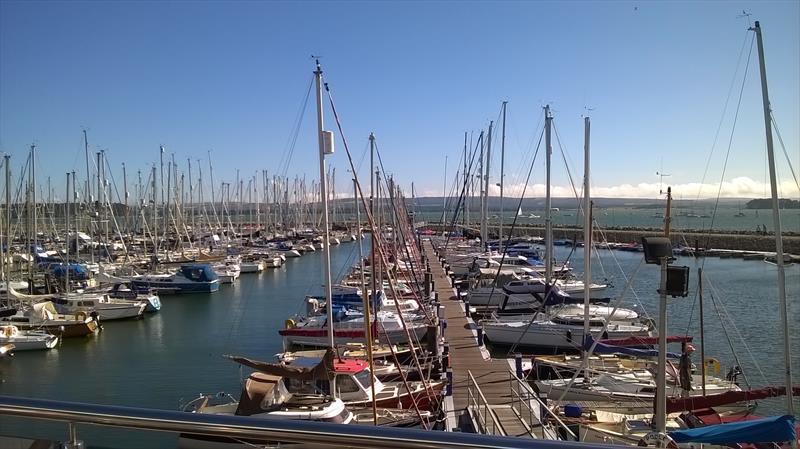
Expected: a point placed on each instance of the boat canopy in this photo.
(324, 370)
(199, 272)
(776, 429)
(76, 271)
(676, 404)
(603, 348)
(646, 341)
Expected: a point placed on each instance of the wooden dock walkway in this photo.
(491, 375)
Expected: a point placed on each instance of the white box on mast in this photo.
(327, 142)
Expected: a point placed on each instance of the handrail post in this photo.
(74, 442)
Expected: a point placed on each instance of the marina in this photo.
(246, 299)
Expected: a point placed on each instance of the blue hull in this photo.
(176, 288)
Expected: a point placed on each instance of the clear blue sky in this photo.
(230, 77)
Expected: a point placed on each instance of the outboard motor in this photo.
(312, 306)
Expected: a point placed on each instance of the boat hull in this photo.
(170, 288)
(318, 337)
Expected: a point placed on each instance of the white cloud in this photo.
(741, 187)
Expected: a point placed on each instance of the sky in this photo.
(226, 81)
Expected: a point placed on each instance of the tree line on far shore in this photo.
(766, 203)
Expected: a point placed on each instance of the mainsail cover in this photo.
(677, 404)
(603, 348)
(323, 370)
(776, 429)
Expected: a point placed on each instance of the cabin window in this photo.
(345, 384)
(297, 386)
(515, 284)
(364, 378)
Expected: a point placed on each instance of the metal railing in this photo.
(480, 409)
(525, 398)
(318, 434)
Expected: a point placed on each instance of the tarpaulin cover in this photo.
(603, 348)
(775, 429)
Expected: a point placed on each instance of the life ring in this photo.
(80, 316)
(714, 364)
(657, 439)
(289, 324)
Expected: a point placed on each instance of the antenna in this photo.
(661, 176)
(743, 15)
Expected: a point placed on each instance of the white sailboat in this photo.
(564, 328)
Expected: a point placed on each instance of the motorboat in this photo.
(191, 278)
(103, 305)
(26, 340)
(44, 316)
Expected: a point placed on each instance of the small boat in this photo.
(43, 316)
(251, 264)
(105, 307)
(191, 278)
(273, 262)
(126, 291)
(349, 328)
(26, 340)
(226, 274)
(6, 350)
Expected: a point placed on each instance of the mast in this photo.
(191, 196)
(466, 183)
(776, 218)
(77, 214)
(482, 199)
(125, 190)
(66, 212)
(485, 230)
(366, 296)
(373, 238)
(444, 191)
(33, 198)
(86, 153)
(7, 218)
(502, 175)
(326, 230)
(587, 236)
(548, 223)
(661, 373)
(702, 329)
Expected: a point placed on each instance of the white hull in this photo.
(27, 341)
(251, 267)
(551, 335)
(121, 312)
(292, 253)
(349, 337)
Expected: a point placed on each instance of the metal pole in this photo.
(7, 266)
(587, 237)
(66, 213)
(486, 188)
(502, 175)
(548, 223)
(326, 231)
(702, 329)
(776, 218)
(661, 374)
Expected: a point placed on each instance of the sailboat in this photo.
(562, 329)
(276, 390)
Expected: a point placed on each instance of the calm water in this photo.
(610, 217)
(171, 355)
(175, 354)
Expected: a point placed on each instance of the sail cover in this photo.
(323, 370)
(602, 348)
(776, 429)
